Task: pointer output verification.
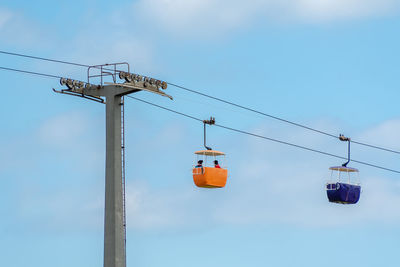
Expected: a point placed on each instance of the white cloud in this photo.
(287, 186)
(197, 16)
(385, 134)
(274, 184)
(331, 10)
(5, 16)
(269, 197)
(64, 130)
(213, 18)
(87, 44)
(268, 184)
(17, 29)
(147, 209)
(66, 149)
(66, 210)
(118, 47)
(298, 198)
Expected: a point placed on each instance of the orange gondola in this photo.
(210, 171)
(210, 176)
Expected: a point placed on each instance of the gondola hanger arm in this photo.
(348, 140)
(211, 121)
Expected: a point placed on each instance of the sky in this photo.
(328, 64)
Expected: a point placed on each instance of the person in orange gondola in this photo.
(200, 165)
(216, 165)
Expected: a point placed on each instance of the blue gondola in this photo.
(341, 191)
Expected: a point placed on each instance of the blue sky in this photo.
(329, 64)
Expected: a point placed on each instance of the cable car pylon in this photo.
(111, 93)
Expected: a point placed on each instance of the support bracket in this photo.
(89, 97)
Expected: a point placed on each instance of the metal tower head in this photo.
(98, 74)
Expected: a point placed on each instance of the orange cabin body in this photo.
(210, 177)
